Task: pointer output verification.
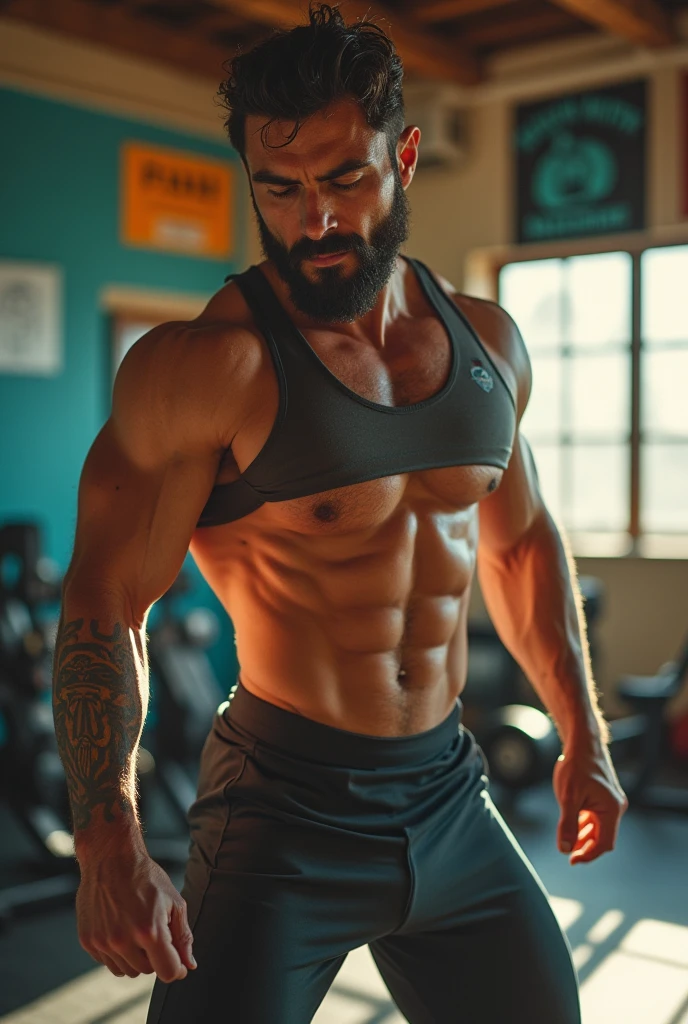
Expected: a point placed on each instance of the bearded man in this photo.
(336, 440)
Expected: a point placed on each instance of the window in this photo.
(607, 335)
(664, 391)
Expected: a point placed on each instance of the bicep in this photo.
(142, 490)
(507, 514)
(135, 522)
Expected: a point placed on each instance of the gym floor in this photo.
(625, 915)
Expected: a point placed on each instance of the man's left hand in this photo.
(591, 799)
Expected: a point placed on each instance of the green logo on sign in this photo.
(574, 170)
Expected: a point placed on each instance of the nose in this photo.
(317, 216)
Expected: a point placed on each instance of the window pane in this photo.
(543, 417)
(600, 395)
(598, 488)
(532, 293)
(599, 298)
(548, 463)
(665, 392)
(663, 294)
(664, 487)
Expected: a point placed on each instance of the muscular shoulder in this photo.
(188, 383)
(500, 335)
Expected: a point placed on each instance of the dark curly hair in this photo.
(293, 74)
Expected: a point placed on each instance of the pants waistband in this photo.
(303, 737)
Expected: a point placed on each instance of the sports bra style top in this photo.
(327, 436)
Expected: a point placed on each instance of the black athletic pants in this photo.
(309, 841)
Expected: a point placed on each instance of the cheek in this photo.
(279, 224)
(387, 193)
(376, 206)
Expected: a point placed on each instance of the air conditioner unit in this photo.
(440, 113)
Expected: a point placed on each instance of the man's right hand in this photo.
(132, 919)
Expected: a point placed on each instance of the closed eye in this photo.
(285, 193)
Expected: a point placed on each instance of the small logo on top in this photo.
(481, 377)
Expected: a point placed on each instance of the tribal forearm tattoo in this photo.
(97, 712)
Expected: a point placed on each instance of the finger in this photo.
(587, 847)
(606, 826)
(607, 829)
(112, 967)
(588, 831)
(609, 824)
(118, 961)
(567, 830)
(594, 840)
(164, 957)
(134, 956)
(587, 853)
(182, 936)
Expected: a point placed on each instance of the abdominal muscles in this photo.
(350, 607)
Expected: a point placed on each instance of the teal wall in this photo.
(59, 197)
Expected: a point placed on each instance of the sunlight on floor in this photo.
(641, 978)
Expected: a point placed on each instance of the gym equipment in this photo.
(186, 693)
(521, 743)
(649, 696)
(32, 782)
(521, 746)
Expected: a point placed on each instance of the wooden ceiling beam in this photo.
(519, 28)
(202, 17)
(428, 12)
(639, 21)
(422, 53)
(122, 30)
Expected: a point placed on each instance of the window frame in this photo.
(641, 544)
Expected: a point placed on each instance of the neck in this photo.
(373, 327)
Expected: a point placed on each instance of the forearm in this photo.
(533, 598)
(100, 693)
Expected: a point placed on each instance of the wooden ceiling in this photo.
(440, 39)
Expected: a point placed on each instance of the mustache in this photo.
(306, 248)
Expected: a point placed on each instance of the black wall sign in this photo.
(580, 164)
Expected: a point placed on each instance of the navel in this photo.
(326, 513)
(492, 485)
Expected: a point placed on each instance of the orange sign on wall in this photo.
(176, 201)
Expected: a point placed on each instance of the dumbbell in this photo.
(521, 745)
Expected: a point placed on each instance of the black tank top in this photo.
(327, 436)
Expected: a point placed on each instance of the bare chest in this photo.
(414, 366)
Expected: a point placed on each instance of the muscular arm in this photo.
(532, 594)
(527, 575)
(99, 698)
(528, 580)
(143, 486)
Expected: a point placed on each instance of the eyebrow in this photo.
(268, 178)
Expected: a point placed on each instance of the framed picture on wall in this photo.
(580, 163)
(30, 318)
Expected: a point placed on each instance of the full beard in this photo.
(337, 297)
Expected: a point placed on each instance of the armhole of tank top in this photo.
(251, 297)
(440, 292)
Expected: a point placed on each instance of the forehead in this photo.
(339, 131)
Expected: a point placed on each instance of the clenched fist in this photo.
(131, 918)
